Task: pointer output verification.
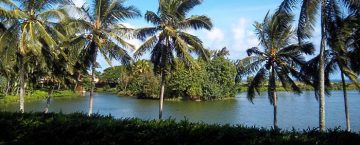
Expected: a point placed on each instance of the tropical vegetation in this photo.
(49, 47)
(196, 83)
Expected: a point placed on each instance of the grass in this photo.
(38, 128)
(39, 95)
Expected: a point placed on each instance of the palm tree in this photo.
(168, 36)
(340, 34)
(277, 60)
(100, 26)
(31, 23)
(7, 59)
(340, 31)
(307, 21)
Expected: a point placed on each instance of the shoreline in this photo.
(39, 95)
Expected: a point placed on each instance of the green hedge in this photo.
(79, 129)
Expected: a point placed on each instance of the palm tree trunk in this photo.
(273, 90)
(48, 99)
(275, 110)
(347, 115)
(7, 88)
(91, 101)
(322, 70)
(162, 94)
(77, 81)
(59, 86)
(22, 85)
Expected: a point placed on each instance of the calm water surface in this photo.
(298, 111)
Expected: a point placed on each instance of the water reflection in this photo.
(298, 111)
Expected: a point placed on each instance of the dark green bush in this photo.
(37, 128)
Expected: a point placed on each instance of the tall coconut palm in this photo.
(340, 32)
(307, 21)
(168, 36)
(339, 37)
(100, 26)
(31, 22)
(278, 59)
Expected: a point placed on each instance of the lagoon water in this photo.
(294, 111)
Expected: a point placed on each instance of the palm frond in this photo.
(249, 65)
(152, 18)
(53, 14)
(146, 46)
(287, 6)
(196, 22)
(45, 35)
(182, 51)
(254, 50)
(307, 19)
(186, 5)
(115, 11)
(143, 33)
(256, 84)
(306, 48)
(118, 53)
(195, 45)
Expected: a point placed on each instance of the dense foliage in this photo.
(79, 129)
(210, 80)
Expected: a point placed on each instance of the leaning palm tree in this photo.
(100, 26)
(168, 36)
(341, 30)
(339, 38)
(30, 24)
(307, 21)
(278, 59)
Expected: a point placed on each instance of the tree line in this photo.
(55, 41)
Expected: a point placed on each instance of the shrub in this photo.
(37, 128)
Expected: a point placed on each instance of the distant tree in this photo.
(187, 83)
(220, 82)
(111, 74)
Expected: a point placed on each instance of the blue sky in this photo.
(233, 23)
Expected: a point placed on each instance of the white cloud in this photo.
(215, 38)
(252, 40)
(215, 34)
(79, 3)
(243, 38)
(239, 31)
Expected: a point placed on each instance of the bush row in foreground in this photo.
(37, 128)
